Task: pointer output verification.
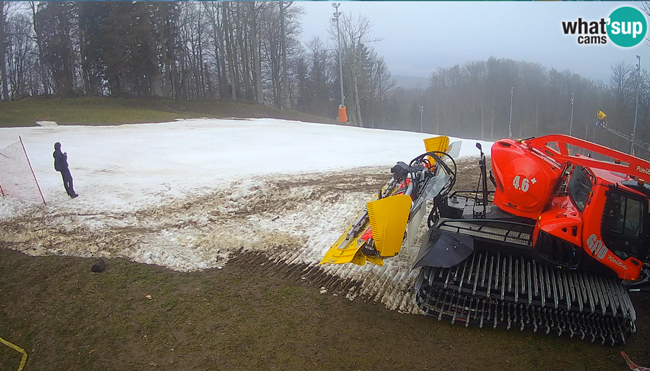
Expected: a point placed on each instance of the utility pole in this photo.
(571, 124)
(512, 92)
(337, 14)
(636, 110)
(437, 119)
(421, 125)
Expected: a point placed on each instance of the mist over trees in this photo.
(252, 52)
(475, 98)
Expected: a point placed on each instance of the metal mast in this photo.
(636, 110)
(512, 92)
(338, 31)
(571, 124)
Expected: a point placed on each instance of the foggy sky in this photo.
(418, 37)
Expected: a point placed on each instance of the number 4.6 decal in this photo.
(525, 183)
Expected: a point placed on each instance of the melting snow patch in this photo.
(196, 192)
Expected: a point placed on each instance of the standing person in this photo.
(61, 165)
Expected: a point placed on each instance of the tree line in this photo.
(500, 98)
(252, 52)
(233, 51)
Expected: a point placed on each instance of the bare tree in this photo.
(254, 10)
(4, 10)
(215, 14)
(57, 25)
(476, 72)
(283, 46)
(317, 99)
(622, 87)
(20, 64)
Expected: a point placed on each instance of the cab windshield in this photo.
(580, 187)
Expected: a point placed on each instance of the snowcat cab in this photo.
(591, 214)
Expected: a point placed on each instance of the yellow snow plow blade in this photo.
(346, 247)
(440, 144)
(388, 218)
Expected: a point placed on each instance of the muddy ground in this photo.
(258, 305)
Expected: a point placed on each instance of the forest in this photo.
(253, 52)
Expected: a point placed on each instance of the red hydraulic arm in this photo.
(629, 164)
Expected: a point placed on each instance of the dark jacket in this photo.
(60, 160)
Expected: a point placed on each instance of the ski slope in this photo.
(191, 193)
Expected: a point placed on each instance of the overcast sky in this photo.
(418, 37)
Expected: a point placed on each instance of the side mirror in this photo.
(478, 145)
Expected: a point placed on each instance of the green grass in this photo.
(112, 111)
(247, 316)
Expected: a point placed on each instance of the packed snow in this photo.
(189, 194)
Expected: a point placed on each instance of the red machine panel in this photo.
(525, 181)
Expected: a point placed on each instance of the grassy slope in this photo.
(111, 111)
(246, 316)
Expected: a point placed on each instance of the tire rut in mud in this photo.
(311, 275)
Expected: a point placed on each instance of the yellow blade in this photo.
(345, 251)
(388, 218)
(440, 143)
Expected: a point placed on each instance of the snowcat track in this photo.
(490, 289)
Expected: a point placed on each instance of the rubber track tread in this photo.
(490, 289)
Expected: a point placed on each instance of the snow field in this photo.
(189, 194)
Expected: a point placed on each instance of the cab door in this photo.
(624, 227)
